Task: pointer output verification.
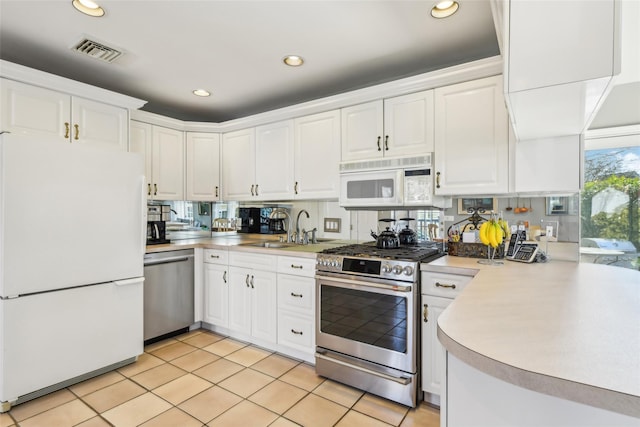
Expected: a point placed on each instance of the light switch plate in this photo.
(332, 225)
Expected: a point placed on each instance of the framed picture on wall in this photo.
(487, 203)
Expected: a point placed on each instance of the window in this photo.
(610, 212)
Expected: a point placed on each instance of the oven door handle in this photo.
(365, 283)
(399, 380)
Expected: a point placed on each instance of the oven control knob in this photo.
(386, 268)
(408, 270)
(397, 269)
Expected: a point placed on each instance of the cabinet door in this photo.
(238, 165)
(31, 110)
(203, 166)
(317, 156)
(99, 125)
(362, 128)
(264, 305)
(433, 353)
(140, 142)
(408, 124)
(216, 294)
(240, 299)
(471, 138)
(167, 164)
(274, 161)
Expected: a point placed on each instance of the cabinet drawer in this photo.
(296, 293)
(443, 284)
(216, 256)
(252, 260)
(296, 331)
(298, 266)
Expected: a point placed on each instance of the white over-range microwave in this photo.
(386, 183)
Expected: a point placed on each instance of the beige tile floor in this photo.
(201, 378)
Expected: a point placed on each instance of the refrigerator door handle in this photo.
(127, 282)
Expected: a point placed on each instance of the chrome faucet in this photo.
(276, 214)
(298, 223)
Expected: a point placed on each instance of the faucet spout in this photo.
(298, 222)
(277, 213)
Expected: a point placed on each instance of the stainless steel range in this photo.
(367, 332)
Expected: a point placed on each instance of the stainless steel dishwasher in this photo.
(168, 293)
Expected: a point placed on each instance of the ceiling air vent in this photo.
(97, 50)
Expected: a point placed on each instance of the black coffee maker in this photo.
(157, 217)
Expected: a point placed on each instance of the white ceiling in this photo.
(234, 48)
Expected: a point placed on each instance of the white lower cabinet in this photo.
(296, 304)
(252, 296)
(216, 287)
(438, 291)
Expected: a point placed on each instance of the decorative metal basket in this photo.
(473, 250)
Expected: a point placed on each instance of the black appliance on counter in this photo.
(256, 220)
(157, 217)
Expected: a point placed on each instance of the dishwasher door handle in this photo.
(166, 260)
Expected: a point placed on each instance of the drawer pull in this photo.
(252, 287)
(246, 280)
(296, 266)
(296, 295)
(293, 331)
(214, 256)
(442, 285)
(148, 189)
(155, 189)
(224, 277)
(425, 313)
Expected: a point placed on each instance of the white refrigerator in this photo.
(72, 241)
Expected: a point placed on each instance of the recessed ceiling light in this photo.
(201, 92)
(293, 60)
(444, 9)
(88, 7)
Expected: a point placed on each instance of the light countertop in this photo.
(242, 242)
(565, 329)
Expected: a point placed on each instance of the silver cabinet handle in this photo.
(295, 188)
(386, 143)
(246, 280)
(442, 285)
(252, 287)
(214, 256)
(293, 331)
(224, 277)
(379, 149)
(437, 179)
(256, 189)
(217, 195)
(148, 189)
(296, 295)
(155, 189)
(296, 266)
(425, 313)
(252, 192)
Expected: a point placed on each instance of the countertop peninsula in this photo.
(570, 330)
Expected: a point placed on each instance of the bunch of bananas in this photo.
(493, 232)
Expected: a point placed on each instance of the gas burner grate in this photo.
(416, 253)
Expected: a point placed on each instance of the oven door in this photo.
(372, 188)
(369, 320)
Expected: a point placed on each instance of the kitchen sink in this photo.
(269, 244)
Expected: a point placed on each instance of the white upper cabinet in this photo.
(559, 63)
(257, 163)
(167, 156)
(471, 138)
(550, 165)
(238, 165)
(36, 111)
(317, 156)
(163, 150)
(274, 161)
(203, 166)
(393, 127)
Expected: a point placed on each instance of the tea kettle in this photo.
(407, 236)
(386, 239)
